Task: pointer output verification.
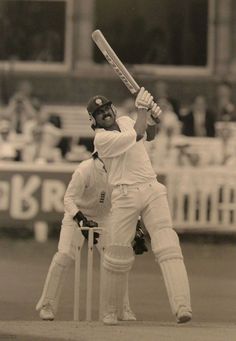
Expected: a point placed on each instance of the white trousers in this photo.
(148, 200)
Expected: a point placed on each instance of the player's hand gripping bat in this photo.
(116, 64)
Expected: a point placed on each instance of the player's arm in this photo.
(152, 122)
(151, 132)
(140, 125)
(75, 190)
(143, 103)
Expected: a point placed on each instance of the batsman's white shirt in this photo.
(125, 159)
(136, 190)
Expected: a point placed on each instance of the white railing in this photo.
(202, 199)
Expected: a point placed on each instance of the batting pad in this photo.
(126, 304)
(118, 261)
(54, 281)
(169, 255)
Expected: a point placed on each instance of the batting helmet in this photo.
(96, 103)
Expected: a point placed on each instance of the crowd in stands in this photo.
(193, 134)
(28, 133)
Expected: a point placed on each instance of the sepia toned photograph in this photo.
(117, 170)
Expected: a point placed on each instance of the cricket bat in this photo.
(116, 63)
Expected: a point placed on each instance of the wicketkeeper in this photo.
(87, 202)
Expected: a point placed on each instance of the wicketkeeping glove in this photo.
(144, 99)
(139, 245)
(80, 218)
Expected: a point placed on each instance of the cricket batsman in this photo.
(136, 192)
(87, 202)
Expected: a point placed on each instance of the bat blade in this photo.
(115, 62)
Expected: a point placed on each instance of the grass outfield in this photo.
(95, 331)
(212, 275)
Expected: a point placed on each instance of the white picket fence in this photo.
(202, 199)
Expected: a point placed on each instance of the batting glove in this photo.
(153, 115)
(143, 100)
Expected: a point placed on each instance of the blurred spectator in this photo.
(170, 148)
(226, 152)
(169, 121)
(55, 120)
(43, 146)
(31, 151)
(225, 108)
(161, 92)
(19, 112)
(185, 107)
(43, 136)
(64, 142)
(200, 120)
(20, 108)
(8, 151)
(24, 89)
(36, 120)
(162, 149)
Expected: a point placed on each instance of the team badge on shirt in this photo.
(98, 101)
(102, 197)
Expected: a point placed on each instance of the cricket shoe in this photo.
(46, 313)
(127, 315)
(183, 315)
(110, 319)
